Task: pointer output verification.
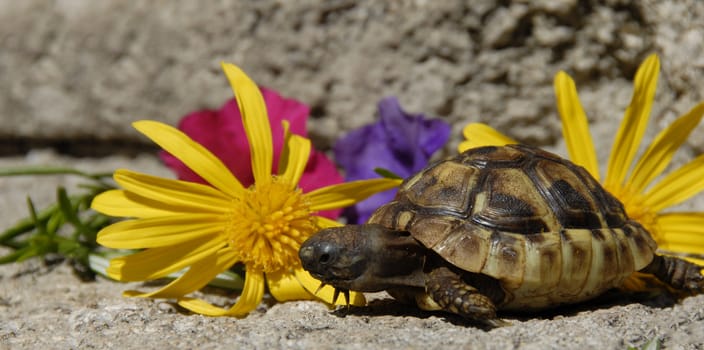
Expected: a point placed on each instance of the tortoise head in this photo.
(364, 258)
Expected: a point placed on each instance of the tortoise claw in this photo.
(345, 294)
(335, 295)
(322, 284)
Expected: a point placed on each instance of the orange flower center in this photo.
(268, 225)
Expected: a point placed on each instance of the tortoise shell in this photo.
(539, 224)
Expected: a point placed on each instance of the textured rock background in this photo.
(82, 70)
(74, 73)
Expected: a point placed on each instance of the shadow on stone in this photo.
(391, 307)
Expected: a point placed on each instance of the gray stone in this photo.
(48, 308)
(79, 69)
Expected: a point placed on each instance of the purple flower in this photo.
(399, 142)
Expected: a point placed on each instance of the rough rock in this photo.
(83, 70)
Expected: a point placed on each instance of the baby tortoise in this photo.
(510, 228)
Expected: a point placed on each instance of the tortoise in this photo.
(494, 228)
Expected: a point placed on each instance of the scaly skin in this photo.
(453, 295)
(677, 273)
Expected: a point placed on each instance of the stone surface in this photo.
(49, 308)
(74, 73)
(83, 69)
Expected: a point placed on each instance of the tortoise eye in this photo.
(324, 258)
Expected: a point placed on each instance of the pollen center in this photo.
(268, 225)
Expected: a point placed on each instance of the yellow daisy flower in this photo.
(208, 229)
(680, 233)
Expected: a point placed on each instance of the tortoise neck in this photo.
(398, 260)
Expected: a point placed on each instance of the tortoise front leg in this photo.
(679, 274)
(452, 294)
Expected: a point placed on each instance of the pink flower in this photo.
(222, 133)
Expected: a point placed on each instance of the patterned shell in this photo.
(540, 224)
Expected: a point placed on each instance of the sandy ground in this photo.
(49, 308)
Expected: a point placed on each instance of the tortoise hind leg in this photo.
(452, 294)
(678, 273)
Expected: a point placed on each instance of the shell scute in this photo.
(446, 186)
(506, 257)
(512, 204)
(570, 200)
(468, 252)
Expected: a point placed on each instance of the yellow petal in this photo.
(690, 242)
(184, 195)
(676, 187)
(160, 231)
(348, 193)
(682, 242)
(575, 127)
(255, 120)
(294, 158)
(125, 204)
(681, 229)
(479, 135)
(326, 293)
(660, 152)
(679, 248)
(285, 286)
(285, 150)
(634, 122)
(681, 222)
(158, 262)
(698, 261)
(249, 300)
(323, 222)
(197, 277)
(201, 307)
(681, 245)
(193, 155)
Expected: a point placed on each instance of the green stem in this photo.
(13, 244)
(27, 224)
(21, 171)
(12, 257)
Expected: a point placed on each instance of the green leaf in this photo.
(387, 174)
(653, 344)
(98, 221)
(38, 224)
(44, 232)
(43, 170)
(69, 209)
(55, 222)
(67, 247)
(26, 225)
(28, 253)
(13, 256)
